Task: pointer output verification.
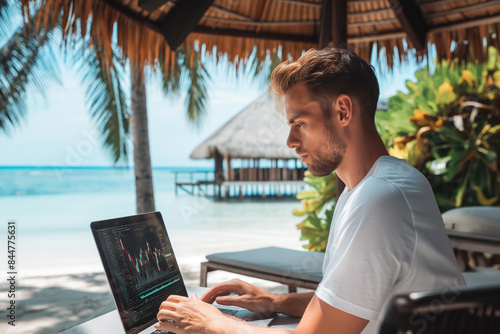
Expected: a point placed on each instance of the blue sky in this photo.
(58, 130)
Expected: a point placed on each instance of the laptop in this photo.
(142, 270)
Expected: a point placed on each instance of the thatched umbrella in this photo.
(148, 31)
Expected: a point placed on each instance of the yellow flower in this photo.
(467, 77)
(301, 225)
(402, 141)
(423, 119)
(419, 114)
(397, 152)
(445, 88)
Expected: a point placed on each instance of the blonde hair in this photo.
(326, 74)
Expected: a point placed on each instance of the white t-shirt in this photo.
(387, 236)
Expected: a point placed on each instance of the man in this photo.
(387, 235)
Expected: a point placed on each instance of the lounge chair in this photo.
(287, 266)
(470, 229)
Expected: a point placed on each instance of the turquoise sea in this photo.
(25, 181)
(53, 199)
(53, 208)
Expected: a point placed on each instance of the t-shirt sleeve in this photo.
(371, 250)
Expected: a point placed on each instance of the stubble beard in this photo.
(324, 162)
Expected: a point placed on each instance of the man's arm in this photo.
(318, 318)
(293, 304)
(321, 317)
(256, 299)
(191, 315)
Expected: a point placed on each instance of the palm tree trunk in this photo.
(142, 160)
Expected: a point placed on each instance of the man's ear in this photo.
(343, 108)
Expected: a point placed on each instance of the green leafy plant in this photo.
(448, 126)
(318, 206)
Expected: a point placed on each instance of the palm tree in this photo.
(142, 160)
(26, 58)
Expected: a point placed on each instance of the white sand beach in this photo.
(61, 281)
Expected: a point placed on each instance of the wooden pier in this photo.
(260, 188)
(248, 180)
(191, 185)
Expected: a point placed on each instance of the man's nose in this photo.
(292, 141)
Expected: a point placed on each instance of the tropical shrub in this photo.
(447, 125)
(318, 206)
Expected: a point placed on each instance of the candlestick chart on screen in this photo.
(146, 257)
(148, 263)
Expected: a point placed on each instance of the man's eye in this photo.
(299, 125)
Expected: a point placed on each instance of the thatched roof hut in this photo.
(257, 132)
(252, 146)
(148, 30)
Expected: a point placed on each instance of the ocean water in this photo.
(67, 199)
(54, 207)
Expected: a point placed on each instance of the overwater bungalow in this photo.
(251, 156)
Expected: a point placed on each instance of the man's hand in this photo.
(190, 315)
(250, 297)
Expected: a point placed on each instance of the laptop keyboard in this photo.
(227, 311)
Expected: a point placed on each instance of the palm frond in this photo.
(6, 11)
(197, 95)
(25, 59)
(260, 65)
(171, 75)
(188, 74)
(107, 99)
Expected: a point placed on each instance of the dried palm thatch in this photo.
(457, 28)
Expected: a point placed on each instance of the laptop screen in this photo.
(140, 266)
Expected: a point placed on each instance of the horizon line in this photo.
(99, 167)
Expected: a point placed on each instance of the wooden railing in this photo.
(191, 184)
(242, 182)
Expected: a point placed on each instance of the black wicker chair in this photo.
(451, 310)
